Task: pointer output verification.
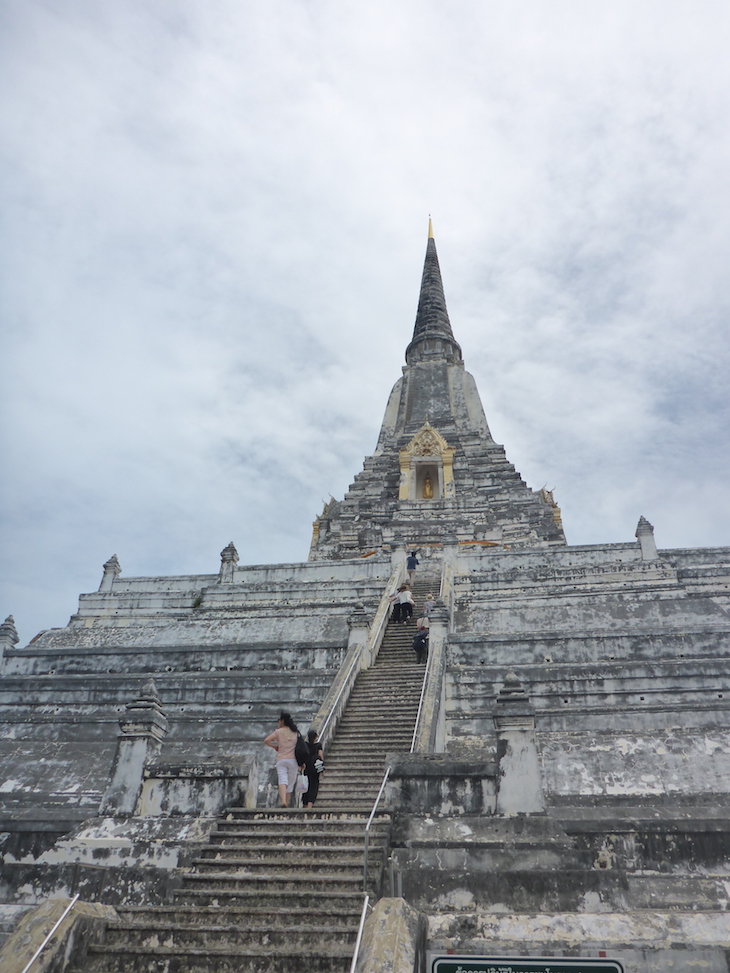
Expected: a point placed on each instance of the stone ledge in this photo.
(438, 765)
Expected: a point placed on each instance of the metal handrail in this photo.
(45, 942)
(356, 658)
(377, 628)
(420, 706)
(363, 916)
(367, 830)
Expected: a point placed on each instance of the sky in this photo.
(213, 220)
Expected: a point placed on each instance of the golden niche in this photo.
(426, 466)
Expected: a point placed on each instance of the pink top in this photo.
(285, 740)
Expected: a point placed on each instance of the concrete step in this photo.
(292, 880)
(266, 860)
(319, 958)
(245, 898)
(292, 842)
(276, 816)
(335, 913)
(305, 935)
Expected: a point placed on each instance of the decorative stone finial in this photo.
(512, 689)
(8, 633)
(359, 617)
(145, 715)
(112, 570)
(149, 691)
(229, 560)
(645, 536)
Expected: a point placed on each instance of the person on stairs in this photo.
(399, 600)
(315, 767)
(411, 565)
(404, 604)
(420, 642)
(284, 741)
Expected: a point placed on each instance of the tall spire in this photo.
(432, 334)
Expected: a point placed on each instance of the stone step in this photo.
(291, 840)
(266, 860)
(347, 777)
(336, 913)
(332, 803)
(302, 836)
(289, 817)
(370, 727)
(372, 719)
(291, 880)
(370, 738)
(362, 796)
(318, 958)
(350, 748)
(299, 899)
(305, 935)
(385, 694)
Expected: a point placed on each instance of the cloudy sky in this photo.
(212, 229)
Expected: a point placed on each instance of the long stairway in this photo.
(380, 716)
(279, 891)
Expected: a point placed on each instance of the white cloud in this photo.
(213, 230)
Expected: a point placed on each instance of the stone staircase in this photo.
(379, 718)
(273, 891)
(281, 890)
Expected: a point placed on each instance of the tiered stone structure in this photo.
(568, 786)
(436, 470)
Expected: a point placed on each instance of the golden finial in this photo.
(430, 228)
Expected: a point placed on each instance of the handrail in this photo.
(359, 933)
(420, 707)
(375, 637)
(45, 942)
(355, 659)
(377, 799)
(367, 831)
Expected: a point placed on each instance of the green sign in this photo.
(507, 964)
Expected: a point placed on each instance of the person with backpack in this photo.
(420, 643)
(314, 767)
(284, 741)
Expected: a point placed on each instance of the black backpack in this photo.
(301, 751)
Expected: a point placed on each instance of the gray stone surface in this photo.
(393, 939)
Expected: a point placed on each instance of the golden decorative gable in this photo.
(427, 442)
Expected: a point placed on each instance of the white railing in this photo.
(367, 830)
(333, 708)
(45, 942)
(363, 916)
(368, 649)
(420, 706)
